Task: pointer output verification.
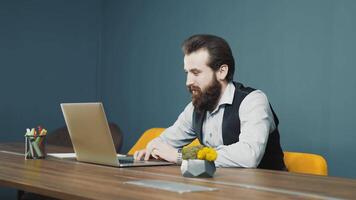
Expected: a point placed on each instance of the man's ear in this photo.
(222, 72)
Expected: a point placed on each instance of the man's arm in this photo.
(181, 132)
(257, 122)
(173, 138)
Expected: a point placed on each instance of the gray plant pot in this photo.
(197, 168)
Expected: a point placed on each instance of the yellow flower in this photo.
(211, 155)
(207, 153)
(201, 155)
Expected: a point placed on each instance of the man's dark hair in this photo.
(218, 49)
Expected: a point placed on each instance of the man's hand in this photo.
(138, 155)
(159, 150)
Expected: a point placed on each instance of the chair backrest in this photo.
(60, 137)
(305, 163)
(149, 135)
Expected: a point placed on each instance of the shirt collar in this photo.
(227, 97)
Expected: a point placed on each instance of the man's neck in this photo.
(223, 88)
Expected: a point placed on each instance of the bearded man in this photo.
(237, 121)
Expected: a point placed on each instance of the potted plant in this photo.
(198, 161)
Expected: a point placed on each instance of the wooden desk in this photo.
(74, 180)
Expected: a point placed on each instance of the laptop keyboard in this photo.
(125, 161)
(128, 160)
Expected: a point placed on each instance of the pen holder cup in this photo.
(35, 147)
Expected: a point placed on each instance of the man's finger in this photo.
(136, 154)
(140, 154)
(154, 154)
(148, 154)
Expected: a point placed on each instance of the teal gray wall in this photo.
(49, 53)
(127, 54)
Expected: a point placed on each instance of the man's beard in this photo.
(208, 99)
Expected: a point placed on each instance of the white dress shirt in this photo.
(256, 122)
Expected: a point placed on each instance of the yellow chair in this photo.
(149, 135)
(305, 163)
(295, 161)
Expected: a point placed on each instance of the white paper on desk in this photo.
(72, 155)
(62, 155)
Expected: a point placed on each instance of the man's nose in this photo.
(189, 81)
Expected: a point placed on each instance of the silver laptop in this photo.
(91, 138)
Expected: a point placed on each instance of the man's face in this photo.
(201, 80)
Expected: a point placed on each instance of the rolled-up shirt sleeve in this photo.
(181, 132)
(256, 122)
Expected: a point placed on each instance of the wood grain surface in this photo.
(66, 179)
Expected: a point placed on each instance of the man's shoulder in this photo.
(189, 107)
(254, 98)
(257, 95)
(188, 110)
